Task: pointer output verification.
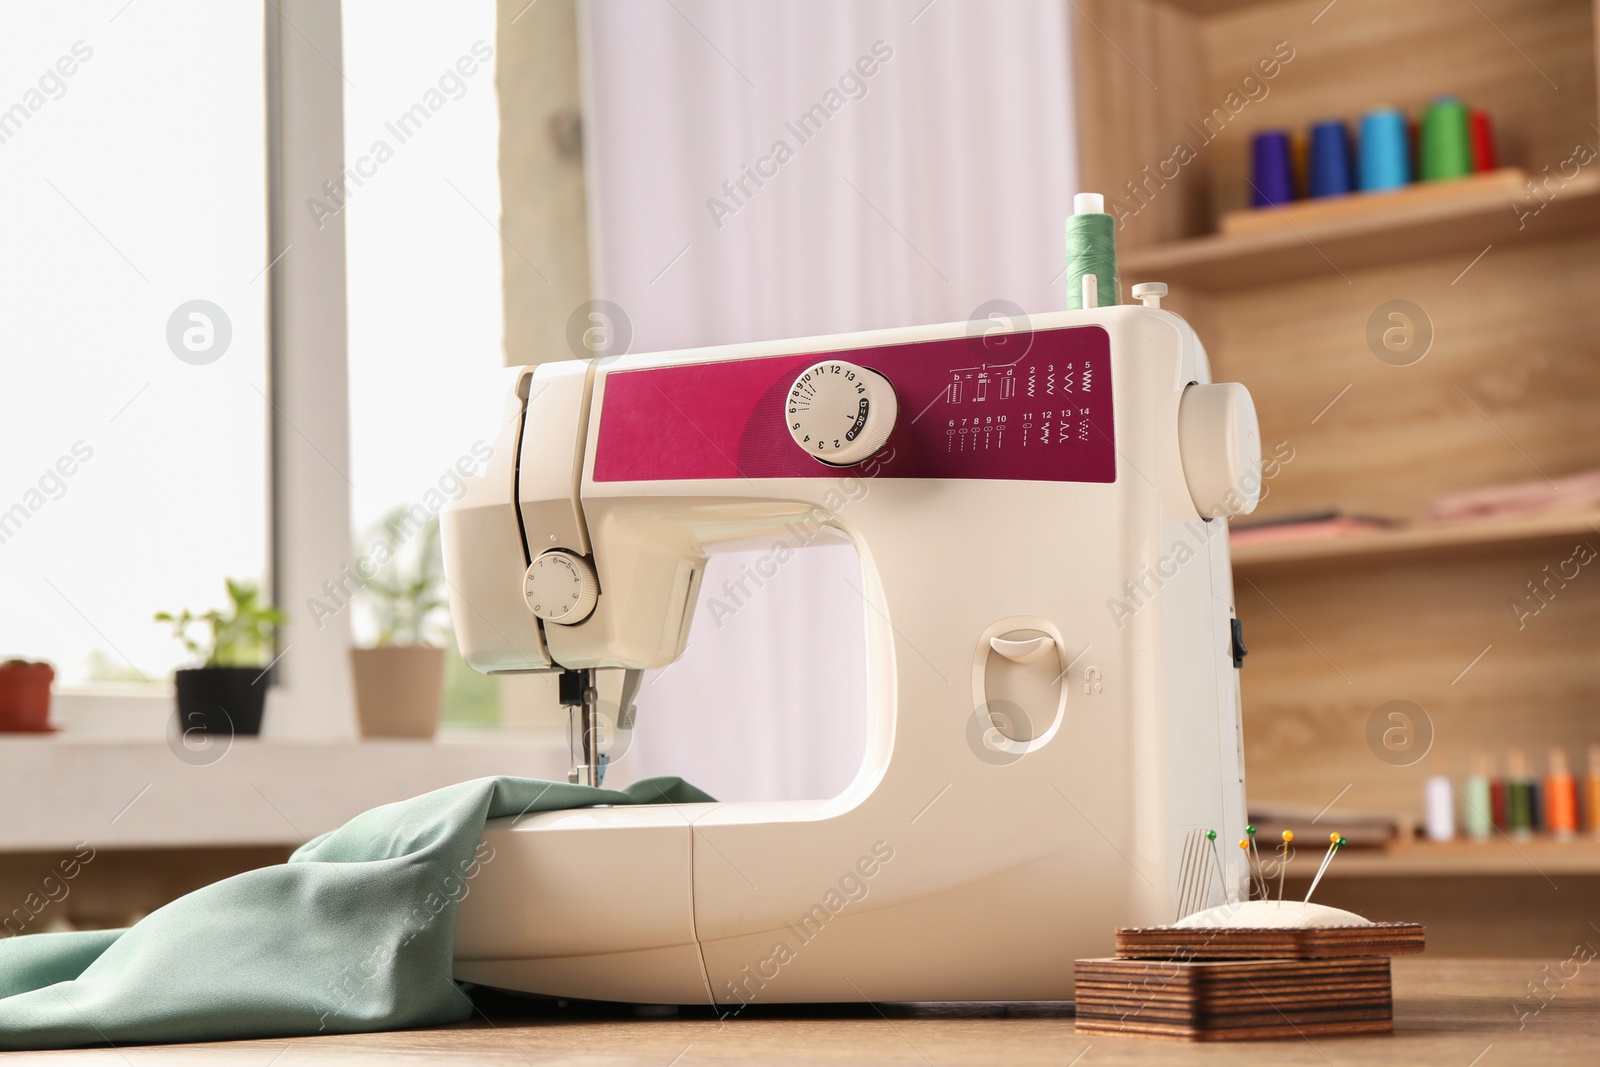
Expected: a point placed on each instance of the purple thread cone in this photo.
(1272, 175)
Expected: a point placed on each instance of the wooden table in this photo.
(1452, 1013)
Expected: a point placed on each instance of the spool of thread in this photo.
(1484, 156)
(1092, 252)
(1300, 157)
(1519, 795)
(1476, 807)
(1330, 159)
(1385, 155)
(1439, 804)
(1271, 169)
(1497, 803)
(1560, 796)
(1591, 790)
(1446, 142)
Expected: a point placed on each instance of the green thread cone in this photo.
(1446, 144)
(1092, 249)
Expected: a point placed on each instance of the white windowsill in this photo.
(128, 788)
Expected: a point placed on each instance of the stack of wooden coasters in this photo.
(1237, 983)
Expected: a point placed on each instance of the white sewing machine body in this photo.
(1019, 798)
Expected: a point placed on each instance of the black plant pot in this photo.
(221, 700)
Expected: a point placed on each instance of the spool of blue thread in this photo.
(1385, 150)
(1329, 168)
(1272, 173)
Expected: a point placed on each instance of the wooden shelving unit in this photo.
(1504, 388)
(1423, 540)
(1499, 857)
(1460, 227)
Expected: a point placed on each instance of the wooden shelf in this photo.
(1389, 233)
(1215, 7)
(1421, 539)
(1500, 857)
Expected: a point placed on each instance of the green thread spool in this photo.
(1446, 142)
(1519, 795)
(1091, 250)
(1477, 805)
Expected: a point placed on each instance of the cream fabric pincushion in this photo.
(1271, 915)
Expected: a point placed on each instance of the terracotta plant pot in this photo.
(221, 700)
(399, 689)
(25, 697)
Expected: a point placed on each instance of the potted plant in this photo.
(225, 693)
(400, 680)
(25, 697)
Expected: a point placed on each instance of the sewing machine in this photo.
(1040, 515)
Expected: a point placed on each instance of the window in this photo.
(133, 433)
(421, 201)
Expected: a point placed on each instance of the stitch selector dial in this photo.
(561, 587)
(840, 413)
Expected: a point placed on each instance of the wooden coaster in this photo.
(1239, 943)
(1235, 1000)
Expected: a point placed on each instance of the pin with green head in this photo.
(1335, 843)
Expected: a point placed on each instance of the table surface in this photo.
(1453, 1013)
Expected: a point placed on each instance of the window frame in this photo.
(308, 512)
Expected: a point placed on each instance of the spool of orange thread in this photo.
(1560, 796)
(1299, 157)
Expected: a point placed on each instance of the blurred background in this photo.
(266, 265)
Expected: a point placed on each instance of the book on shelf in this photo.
(1312, 527)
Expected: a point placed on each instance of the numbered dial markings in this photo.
(840, 413)
(560, 587)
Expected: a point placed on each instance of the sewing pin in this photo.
(1244, 846)
(1211, 836)
(1255, 854)
(1335, 843)
(1283, 866)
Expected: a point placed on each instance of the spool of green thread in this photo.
(1091, 249)
(1446, 142)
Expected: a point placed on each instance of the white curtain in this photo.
(795, 167)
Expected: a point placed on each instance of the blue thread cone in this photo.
(1272, 175)
(1330, 159)
(1385, 151)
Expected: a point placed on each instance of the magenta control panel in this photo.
(1032, 406)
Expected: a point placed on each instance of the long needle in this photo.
(1335, 844)
(1255, 854)
(1211, 836)
(1186, 872)
(1283, 866)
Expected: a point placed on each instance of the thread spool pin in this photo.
(1150, 293)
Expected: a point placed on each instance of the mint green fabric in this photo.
(356, 932)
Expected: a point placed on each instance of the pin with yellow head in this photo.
(1283, 864)
(1335, 843)
(1258, 869)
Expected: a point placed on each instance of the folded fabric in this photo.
(356, 932)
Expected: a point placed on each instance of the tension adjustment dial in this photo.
(840, 413)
